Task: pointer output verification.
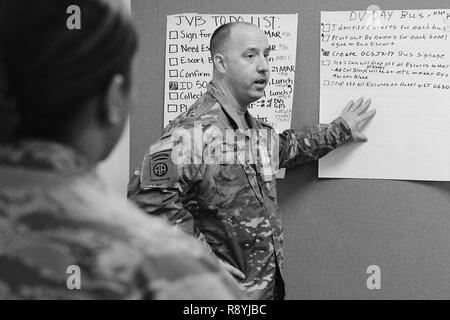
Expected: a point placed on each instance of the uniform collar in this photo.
(252, 121)
(230, 107)
(263, 161)
(44, 155)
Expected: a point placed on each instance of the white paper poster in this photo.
(189, 66)
(401, 60)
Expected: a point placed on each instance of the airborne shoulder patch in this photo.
(158, 169)
(160, 166)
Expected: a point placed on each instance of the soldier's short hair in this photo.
(221, 35)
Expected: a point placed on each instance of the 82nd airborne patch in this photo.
(157, 168)
(160, 167)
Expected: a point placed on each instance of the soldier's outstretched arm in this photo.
(311, 143)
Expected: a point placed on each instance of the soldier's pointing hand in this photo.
(355, 113)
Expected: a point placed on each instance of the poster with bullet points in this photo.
(401, 60)
(189, 67)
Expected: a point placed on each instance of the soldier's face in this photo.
(247, 68)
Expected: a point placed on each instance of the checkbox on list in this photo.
(173, 48)
(173, 35)
(173, 62)
(172, 108)
(173, 85)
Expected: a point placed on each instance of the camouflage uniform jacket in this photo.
(57, 216)
(231, 206)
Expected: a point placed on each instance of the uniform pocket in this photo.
(236, 193)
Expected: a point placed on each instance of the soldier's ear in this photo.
(220, 63)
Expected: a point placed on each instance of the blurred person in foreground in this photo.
(65, 96)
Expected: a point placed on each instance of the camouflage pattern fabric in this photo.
(56, 214)
(232, 207)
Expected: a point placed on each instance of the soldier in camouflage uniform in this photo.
(63, 233)
(232, 205)
(56, 213)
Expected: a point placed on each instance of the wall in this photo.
(335, 228)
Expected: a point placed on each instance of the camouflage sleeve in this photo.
(173, 265)
(163, 201)
(198, 280)
(161, 186)
(188, 271)
(134, 257)
(311, 143)
(83, 242)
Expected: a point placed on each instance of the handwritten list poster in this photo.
(189, 66)
(401, 60)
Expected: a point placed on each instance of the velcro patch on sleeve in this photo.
(160, 167)
(158, 170)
